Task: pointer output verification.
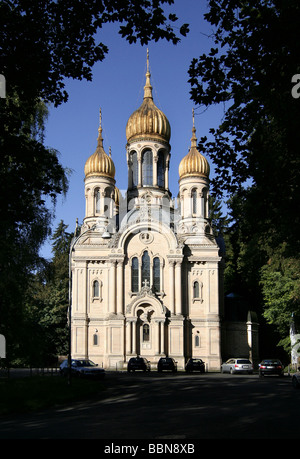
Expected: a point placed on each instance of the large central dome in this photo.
(148, 121)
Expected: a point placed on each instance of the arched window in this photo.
(97, 201)
(197, 341)
(194, 201)
(147, 167)
(145, 269)
(135, 275)
(161, 170)
(156, 274)
(96, 289)
(134, 170)
(196, 290)
(146, 332)
(95, 339)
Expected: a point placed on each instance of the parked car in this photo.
(82, 368)
(270, 367)
(167, 363)
(238, 365)
(296, 379)
(195, 365)
(138, 363)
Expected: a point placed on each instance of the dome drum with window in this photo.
(148, 167)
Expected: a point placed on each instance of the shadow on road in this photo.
(154, 406)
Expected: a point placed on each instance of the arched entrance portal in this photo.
(149, 332)
(145, 328)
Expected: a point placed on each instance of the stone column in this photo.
(178, 299)
(128, 337)
(160, 337)
(157, 337)
(139, 171)
(167, 172)
(102, 202)
(112, 287)
(87, 204)
(107, 340)
(171, 287)
(167, 176)
(133, 330)
(202, 204)
(120, 287)
(86, 332)
(182, 202)
(106, 292)
(190, 205)
(129, 166)
(155, 159)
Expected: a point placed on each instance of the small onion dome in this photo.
(148, 121)
(193, 163)
(99, 163)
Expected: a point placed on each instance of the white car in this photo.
(239, 365)
(296, 379)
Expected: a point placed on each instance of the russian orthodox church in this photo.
(146, 274)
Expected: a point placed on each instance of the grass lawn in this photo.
(22, 395)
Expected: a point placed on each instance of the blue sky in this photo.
(117, 88)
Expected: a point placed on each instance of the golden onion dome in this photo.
(99, 163)
(148, 121)
(194, 163)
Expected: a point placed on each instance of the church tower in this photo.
(148, 150)
(101, 194)
(194, 191)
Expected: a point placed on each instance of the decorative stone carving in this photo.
(146, 238)
(145, 292)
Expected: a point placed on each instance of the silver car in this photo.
(82, 368)
(237, 366)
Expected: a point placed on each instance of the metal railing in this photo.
(27, 372)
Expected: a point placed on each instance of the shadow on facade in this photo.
(239, 329)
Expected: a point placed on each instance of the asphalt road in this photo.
(171, 406)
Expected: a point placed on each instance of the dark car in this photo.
(138, 363)
(296, 379)
(82, 368)
(270, 367)
(167, 363)
(195, 365)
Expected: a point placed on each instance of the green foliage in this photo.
(29, 172)
(216, 216)
(281, 291)
(255, 149)
(58, 39)
(47, 304)
(250, 70)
